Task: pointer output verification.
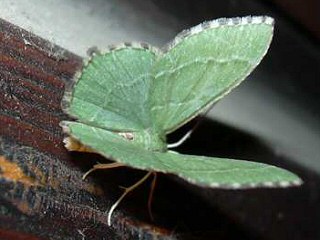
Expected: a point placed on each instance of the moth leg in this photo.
(73, 144)
(153, 185)
(126, 191)
(103, 166)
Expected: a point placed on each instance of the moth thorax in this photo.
(153, 141)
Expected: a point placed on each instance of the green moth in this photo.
(126, 101)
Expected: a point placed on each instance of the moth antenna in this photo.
(102, 166)
(182, 140)
(126, 191)
(153, 185)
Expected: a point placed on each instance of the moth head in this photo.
(127, 135)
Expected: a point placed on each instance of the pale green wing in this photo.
(203, 64)
(112, 90)
(205, 171)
